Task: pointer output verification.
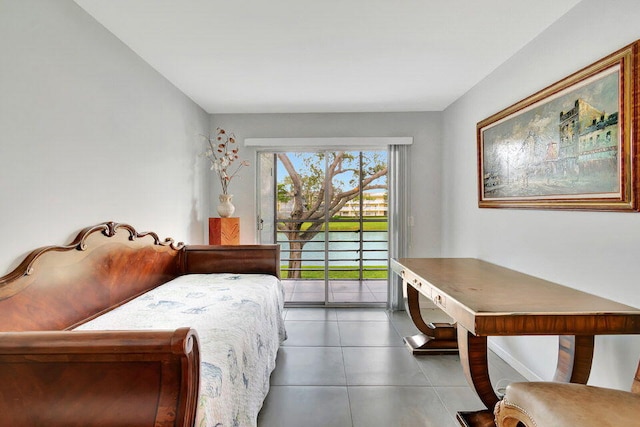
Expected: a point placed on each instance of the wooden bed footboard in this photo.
(102, 378)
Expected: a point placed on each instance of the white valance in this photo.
(314, 143)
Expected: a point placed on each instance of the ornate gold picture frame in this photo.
(572, 145)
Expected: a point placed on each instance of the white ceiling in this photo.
(277, 56)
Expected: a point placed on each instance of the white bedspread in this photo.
(238, 318)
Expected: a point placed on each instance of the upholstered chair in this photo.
(549, 404)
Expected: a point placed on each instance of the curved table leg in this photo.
(435, 338)
(473, 356)
(575, 354)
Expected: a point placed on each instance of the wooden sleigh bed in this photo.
(53, 375)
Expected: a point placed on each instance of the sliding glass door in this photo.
(328, 210)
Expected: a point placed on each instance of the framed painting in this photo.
(573, 145)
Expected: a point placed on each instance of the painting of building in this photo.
(598, 147)
(568, 145)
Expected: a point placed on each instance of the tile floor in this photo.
(344, 367)
(346, 291)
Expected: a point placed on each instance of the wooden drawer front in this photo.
(415, 281)
(439, 299)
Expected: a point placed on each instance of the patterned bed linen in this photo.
(239, 321)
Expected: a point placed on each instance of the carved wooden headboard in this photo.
(59, 287)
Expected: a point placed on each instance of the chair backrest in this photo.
(635, 387)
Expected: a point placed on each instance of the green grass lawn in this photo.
(317, 272)
(354, 226)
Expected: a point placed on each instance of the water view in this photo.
(343, 254)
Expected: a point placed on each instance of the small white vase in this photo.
(226, 208)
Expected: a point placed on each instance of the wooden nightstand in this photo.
(224, 231)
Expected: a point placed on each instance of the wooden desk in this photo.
(484, 300)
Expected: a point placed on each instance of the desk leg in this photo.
(473, 356)
(575, 354)
(435, 338)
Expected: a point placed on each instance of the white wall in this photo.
(592, 251)
(89, 133)
(426, 152)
